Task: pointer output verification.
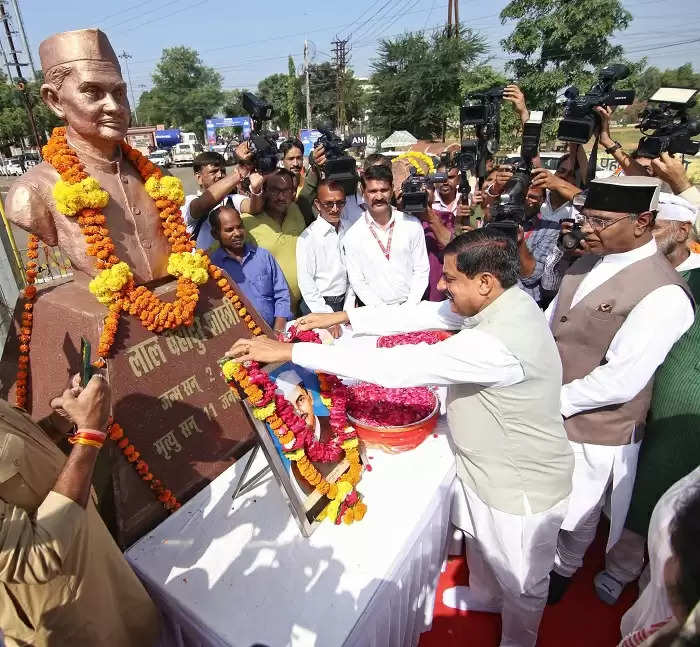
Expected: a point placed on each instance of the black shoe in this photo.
(558, 585)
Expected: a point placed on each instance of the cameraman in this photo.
(666, 167)
(292, 151)
(217, 189)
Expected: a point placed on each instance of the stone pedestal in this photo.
(167, 393)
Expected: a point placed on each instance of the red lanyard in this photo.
(385, 250)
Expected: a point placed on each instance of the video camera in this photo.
(413, 191)
(572, 239)
(509, 211)
(263, 143)
(672, 130)
(339, 166)
(580, 120)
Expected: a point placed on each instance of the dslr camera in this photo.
(413, 191)
(509, 211)
(339, 166)
(263, 143)
(672, 131)
(580, 120)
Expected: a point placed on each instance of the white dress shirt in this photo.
(320, 265)
(470, 355)
(440, 205)
(377, 280)
(638, 347)
(690, 263)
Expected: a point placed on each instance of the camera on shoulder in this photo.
(263, 143)
(580, 120)
(339, 166)
(667, 119)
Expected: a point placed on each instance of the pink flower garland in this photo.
(411, 338)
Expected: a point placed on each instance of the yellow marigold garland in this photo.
(415, 158)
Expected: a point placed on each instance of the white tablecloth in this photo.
(245, 576)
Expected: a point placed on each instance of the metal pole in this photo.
(21, 84)
(455, 4)
(126, 56)
(308, 93)
(449, 18)
(27, 49)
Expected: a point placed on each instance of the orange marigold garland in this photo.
(27, 321)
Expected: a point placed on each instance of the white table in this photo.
(245, 576)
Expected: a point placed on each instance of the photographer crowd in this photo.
(575, 365)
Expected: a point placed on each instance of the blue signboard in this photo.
(309, 138)
(226, 122)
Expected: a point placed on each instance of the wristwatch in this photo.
(616, 146)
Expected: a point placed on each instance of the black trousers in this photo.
(334, 302)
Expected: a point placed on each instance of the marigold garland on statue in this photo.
(25, 333)
(415, 158)
(79, 195)
(297, 438)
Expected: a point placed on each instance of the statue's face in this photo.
(92, 100)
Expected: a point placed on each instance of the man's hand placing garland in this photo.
(260, 349)
(321, 320)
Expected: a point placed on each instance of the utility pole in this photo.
(308, 93)
(340, 60)
(23, 33)
(449, 18)
(20, 82)
(453, 18)
(126, 56)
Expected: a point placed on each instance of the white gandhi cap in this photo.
(287, 381)
(673, 207)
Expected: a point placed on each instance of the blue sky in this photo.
(247, 41)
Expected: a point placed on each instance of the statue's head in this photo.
(83, 84)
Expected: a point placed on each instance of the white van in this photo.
(184, 154)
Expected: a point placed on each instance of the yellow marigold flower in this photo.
(189, 266)
(295, 456)
(261, 413)
(349, 444)
(326, 401)
(167, 188)
(109, 282)
(71, 198)
(229, 369)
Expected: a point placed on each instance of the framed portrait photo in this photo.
(301, 389)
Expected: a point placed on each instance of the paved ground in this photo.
(184, 173)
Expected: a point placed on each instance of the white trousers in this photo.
(599, 471)
(509, 558)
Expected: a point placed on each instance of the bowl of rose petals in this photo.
(393, 420)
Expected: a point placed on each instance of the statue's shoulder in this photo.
(40, 178)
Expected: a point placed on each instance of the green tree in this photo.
(293, 98)
(273, 89)
(322, 84)
(560, 43)
(417, 81)
(185, 91)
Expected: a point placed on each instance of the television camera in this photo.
(413, 190)
(339, 166)
(263, 143)
(580, 120)
(672, 131)
(509, 211)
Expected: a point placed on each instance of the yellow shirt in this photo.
(280, 241)
(63, 580)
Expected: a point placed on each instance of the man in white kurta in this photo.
(619, 311)
(384, 251)
(503, 376)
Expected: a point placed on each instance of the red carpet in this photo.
(579, 620)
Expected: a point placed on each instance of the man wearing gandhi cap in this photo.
(619, 311)
(84, 87)
(671, 447)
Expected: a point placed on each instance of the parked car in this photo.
(184, 154)
(160, 158)
(13, 166)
